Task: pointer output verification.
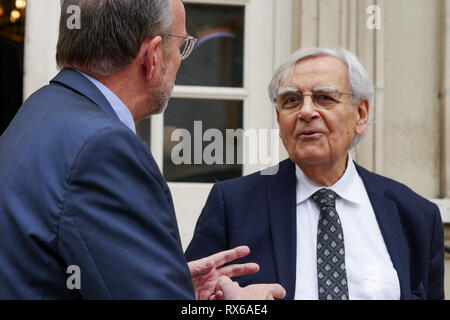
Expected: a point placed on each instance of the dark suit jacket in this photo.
(260, 211)
(77, 187)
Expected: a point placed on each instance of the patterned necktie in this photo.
(331, 274)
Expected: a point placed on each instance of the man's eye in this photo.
(291, 100)
(324, 99)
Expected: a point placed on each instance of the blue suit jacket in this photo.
(260, 211)
(77, 187)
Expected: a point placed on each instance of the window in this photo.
(12, 25)
(216, 62)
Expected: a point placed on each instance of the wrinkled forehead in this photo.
(318, 72)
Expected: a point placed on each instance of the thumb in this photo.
(225, 283)
(278, 292)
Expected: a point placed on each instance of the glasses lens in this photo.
(290, 100)
(187, 47)
(184, 48)
(326, 99)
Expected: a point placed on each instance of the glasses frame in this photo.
(189, 44)
(315, 91)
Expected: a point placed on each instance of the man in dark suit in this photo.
(322, 226)
(84, 209)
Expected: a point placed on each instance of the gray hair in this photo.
(361, 85)
(111, 33)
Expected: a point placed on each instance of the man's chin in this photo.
(163, 98)
(309, 157)
(160, 109)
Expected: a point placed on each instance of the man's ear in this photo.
(150, 54)
(363, 116)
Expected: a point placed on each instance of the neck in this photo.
(325, 174)
(120, 84)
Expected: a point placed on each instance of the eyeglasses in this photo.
(188, 45)
(290, 99)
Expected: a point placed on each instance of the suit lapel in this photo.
(388, 219)
(281, 194)
(80, 84)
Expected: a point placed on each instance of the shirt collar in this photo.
(348, 187)
(121, 110)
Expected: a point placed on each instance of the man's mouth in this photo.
(309, 134)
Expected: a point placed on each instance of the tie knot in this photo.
(325, 198)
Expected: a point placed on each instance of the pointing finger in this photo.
(237, 270)
(229, 255)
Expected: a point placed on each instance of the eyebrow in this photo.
(283, 90)
(326, 89)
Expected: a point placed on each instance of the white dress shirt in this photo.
(121, 110)
(370, 273)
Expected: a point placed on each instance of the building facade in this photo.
(404, 45)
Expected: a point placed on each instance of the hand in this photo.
(229, 290)
(207, 271)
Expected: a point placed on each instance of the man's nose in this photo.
(308, 111)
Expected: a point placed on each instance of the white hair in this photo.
(361, 85)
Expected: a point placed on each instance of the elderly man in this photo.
(84, 209)
(324, 227)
